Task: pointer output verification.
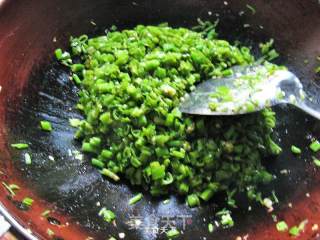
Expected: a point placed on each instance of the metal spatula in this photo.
(281, 82)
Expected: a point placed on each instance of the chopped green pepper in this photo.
(282, 226)
(316, 161)
(27, 201)
(107, 215)
(294, 231)
(295, 149)
(46, 126)
(210, 227)
(252, 9)
(11, 188)
(20, 146)
(193, 200)
(173, 233)
(108, 173)
(135, 199)
(315, 146)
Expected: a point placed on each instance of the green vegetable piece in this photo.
(106, 172)
(135, 199)
(97, 163)
(274, 196)
(302, 225)
(316, 161)
(168, 179)
(295, 150)
(14, 187)
(250, 107)
(77, 67)
(252, 9)
(11, 188)
(167, 90)
(294, 231)
(151, 65)
(46, 213)
(107, 215)
(62, 56)
(273, 55)
(315, 146)
(76, 79)
(268, 52)
(50, 232)
(161, 139)
(106, 154)
(198, 57)
(74, 122)
(282, 226)
(122, 57)
(27, 201)
(157, 171)
(95, 141)
(210, 227)
(207, 194)
(184, 188)
(223, 94)
(173, 233)
(225, 218)
(193, 200)
(20, 146)
(106, 118)
(87, 147)
(46, 126)
(59, 54)
(178, 154)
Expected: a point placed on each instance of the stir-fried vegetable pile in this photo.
(131, 83)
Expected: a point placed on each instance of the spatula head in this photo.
(248, 89)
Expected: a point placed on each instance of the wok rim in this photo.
(15, 224)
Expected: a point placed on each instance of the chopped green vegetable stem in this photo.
(210, 227)
(295, 150)
(46, 126)
(130, 86)
(135, 199)
(282, 226)
(315, 146)
(20, 146)
(173, 233)
(107, 215)
(28, 201)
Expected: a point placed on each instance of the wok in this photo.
(36, 87)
